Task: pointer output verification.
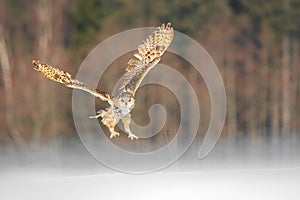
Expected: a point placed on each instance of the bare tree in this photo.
(49, 18)
(44, 16)
(231, 98)
(275, 112)
(286, 79)
(295, 85)
(8, 90)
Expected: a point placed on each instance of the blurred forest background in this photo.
(255, 45)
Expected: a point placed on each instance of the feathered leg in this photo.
(108, 119)
(126, 121)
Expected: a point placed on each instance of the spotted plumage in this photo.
(147, 56)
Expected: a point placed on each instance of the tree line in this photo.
(255, 45)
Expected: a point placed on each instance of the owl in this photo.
(148, 54)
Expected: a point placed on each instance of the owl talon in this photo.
(101, 114)
(94, 117)
(114, 134)
(132, 136)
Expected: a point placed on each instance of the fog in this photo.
(265, 169)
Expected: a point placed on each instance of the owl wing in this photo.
(147, 56)
(66, 79)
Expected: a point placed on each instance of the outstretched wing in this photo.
(148, 55)
(66, 79)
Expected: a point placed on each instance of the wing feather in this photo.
(66, 79)
(147, 56)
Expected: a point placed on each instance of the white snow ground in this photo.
(232, 171)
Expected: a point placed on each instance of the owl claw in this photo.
(95, 117)
(132, 136)
(114, 134)
(101, 113)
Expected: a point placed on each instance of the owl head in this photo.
(125, 102)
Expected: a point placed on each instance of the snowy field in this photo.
(268, 170)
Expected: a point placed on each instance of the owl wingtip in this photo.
(36, 64)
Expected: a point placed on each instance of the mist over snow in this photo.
(234, 170)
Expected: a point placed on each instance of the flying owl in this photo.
(147, 56)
